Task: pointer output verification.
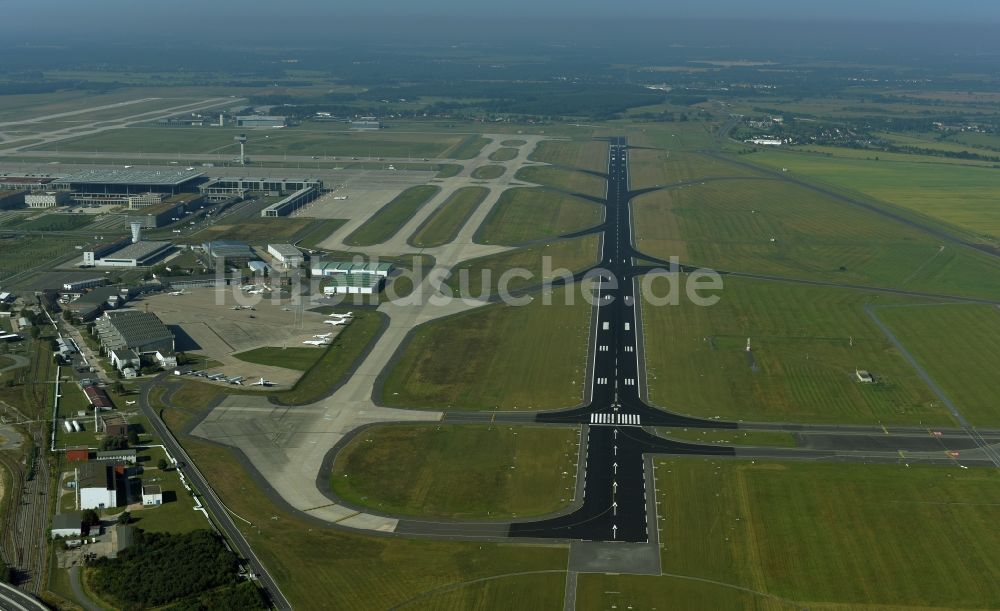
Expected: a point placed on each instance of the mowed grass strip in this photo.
(526, 214)
(649, 168)
(319, 230)
(959, 347)
(807, 342)
(488, 172)
(503, 154)
(323, 568)
(583, 154)
(444, 224)
(564, 180)
(464, 471)
(513, 142)
(731, 436)
(300, 359)
(483, 277)
(778, 228)
(496, 357)
(468, 148)
(829, 533)
(391, 217)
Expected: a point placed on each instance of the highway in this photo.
(12, 599)
(211, 500)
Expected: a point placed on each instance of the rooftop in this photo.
(95, 475)
(69, 519)
(133, 177)
(356, 280)
(285, 250)
(137, 328)
(138, 250)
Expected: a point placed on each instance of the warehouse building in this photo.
(331, 268)
(137, 254)
(363, 284)
(131, 338)
(286, 254)
(79, 285)
(227, 252)
(46, 199)
(96, 301)
(164, 212)
(260, 121)
(98, 251)
(291, 203)
(67, 524)
(98, 486)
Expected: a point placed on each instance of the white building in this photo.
(68, 524)
(364, 284)
(286, 254)
(48, 199)
(152, 495)
(336, 268)
(96, 486)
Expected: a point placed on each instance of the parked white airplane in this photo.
(180, 292)
(130, 403)
(324, 336)
(317, 342)
(336, 322)
(335, 315)
(263, 382)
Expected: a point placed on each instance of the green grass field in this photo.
(959, 346)
(801, 336)
(583, 154)
(513, 142)
(498, 356)
(391, 217)
(962, 196)
(468, 148)
(486, 273)
(297, 358)
(320, 568)
(488, 172)
(825, 534)
(523, 215)
(504, 471)
(22, 254)
(503, 154)
(444, 224)
(290, 141)
(319, 230)
(648, 168)
(564, 180)
(256, 230)
(53, 222)
(730, 225)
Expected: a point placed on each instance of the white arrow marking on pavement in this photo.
(614, 531)
(616, 468)
(616, 433)
(614, 486)
(614, 508)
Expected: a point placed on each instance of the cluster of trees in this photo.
(185, 569)
(117, 443)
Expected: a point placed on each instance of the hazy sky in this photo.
(43, 14)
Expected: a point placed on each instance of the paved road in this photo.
(77, 587)
(211, 500)
(12, 599)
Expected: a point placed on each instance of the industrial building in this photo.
(203, 281)
(116, 186)
(97, 251)
(131, 337)
(46, 199)
(78, 285)
(98, 486)
(114, 425)
(364, 284)
(228, 252)
(286, 254)
(331, 268)
(152, 495)
(257, 267)
(291, 203)
(164, 211)
(138, 254)
(261, 121)
(67, 524)
(96, 301)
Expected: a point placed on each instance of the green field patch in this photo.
(852, 534)
(449, 170)
(495, 357)
(503, 471)
(602, 591)
(319, 230)
(513, 142)
(526, 214)
(564, 180)
(474, 277)
(959, 347)
(731, 437)
(257, 231)
(488, 172)
(962, 196)
(774, 227)
(53, 222)
(24, 253)
(443, 225)
(300, 359)
(807, 342)
(391, 217)
(584, 154)
(504, 154)
(468, 148)
(648, 168)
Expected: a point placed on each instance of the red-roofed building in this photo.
(98, 398)
(78, 455)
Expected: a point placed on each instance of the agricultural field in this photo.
(473, 278)
(818, 535)
(497, 357)
(290, 141)
(505, 471)
(317, 567)
(961, 196)
(443, 225)
(488, 172)
(526, 214)
(959, 347)
(564, 180)
(391, 217)
(584, 154)
(778, 228)
(807, 342)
